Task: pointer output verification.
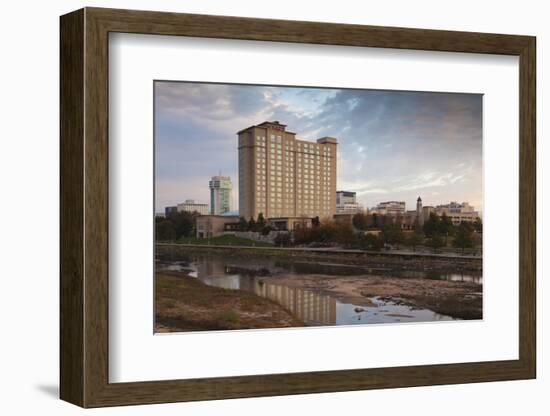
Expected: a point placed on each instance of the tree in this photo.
(393, 234)
(164, 230)
(251, 224)
(282, 239)
(315, 222)
(261, 222)
(176, 225)
(183, 223)
(325, 233)
(359, 221)
(446, 226)
(371, 242)
(414, 239)
(375, 220)
(243, 224)
(433, 225)
(478, 225)
(464, 237)
(267, 229)
(343, 234)
(435, 241)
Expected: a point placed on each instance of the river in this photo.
(312, 307)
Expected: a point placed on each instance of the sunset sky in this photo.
(392, 145)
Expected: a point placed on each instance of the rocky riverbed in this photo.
(462, 300)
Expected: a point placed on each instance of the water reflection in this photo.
(312, 307)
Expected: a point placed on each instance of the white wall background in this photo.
(29, 210)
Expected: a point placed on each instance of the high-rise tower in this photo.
(220, 194)
(281, 176)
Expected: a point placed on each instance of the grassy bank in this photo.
(224, 240)
(376, 259)
(184, 303)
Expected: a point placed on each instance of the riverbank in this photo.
(461, 300)
(184, 303)
(382, 259)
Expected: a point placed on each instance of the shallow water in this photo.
(312, 307)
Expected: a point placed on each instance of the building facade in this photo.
(346, 203)
(457, 212)
(392, 208)
(191, 206)
(220, 194)
(281, 176)
(170, 210)
(209, 226)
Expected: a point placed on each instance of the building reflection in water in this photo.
(310, 307)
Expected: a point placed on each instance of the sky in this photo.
(392, 145)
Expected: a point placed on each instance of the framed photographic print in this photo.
(255, 207)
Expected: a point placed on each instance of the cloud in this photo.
(394, 144)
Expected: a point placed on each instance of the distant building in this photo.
(457, 212)
(391, 208)
(419, 215)
(283, 177)
(209, 226)
(414, 218)
(220, 194)
(346, 203)
(455, 208)
(191, 206)
(170, 210)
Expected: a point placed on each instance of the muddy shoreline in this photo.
(245, 289)
(184, 303)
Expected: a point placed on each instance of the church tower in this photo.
(419, 215)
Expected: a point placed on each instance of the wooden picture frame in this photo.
(84, 207)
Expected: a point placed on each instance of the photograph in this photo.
(307, 206)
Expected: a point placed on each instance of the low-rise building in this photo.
(392, 208)
(346, 203)
(190, 205)
(209, 226)
(457, 212)
(170, 210)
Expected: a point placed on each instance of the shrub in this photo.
(282, 240)
(371, 242)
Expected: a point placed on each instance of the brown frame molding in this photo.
(84, 207)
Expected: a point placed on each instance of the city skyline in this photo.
(393, 145)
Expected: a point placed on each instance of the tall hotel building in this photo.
(283, 177)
